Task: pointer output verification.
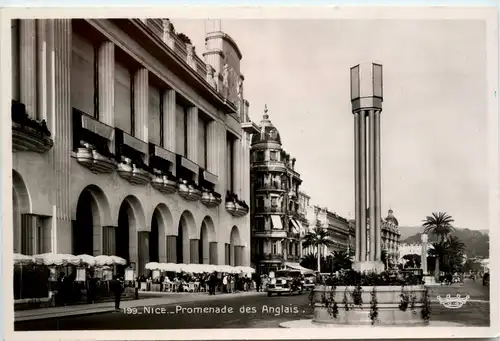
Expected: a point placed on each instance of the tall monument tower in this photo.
(366, 100)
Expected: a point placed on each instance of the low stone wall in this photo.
(341, 305)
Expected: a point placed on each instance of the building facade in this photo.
(342, 232)
(391, 238)
(276, 226)
(126, 143)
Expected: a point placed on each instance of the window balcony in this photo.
(91, 140)
(162, 161)
(269, 166)
(28, 134)
(131, 153)
(188, 173)
(275, 257)
(269, 209)
(273, 233)
(209, 197)
(270, 187)
(236, 207)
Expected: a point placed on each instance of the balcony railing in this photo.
(270, 233)
(29, 134)
(272, 256)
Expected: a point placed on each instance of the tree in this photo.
(413, 260)
(317, 238)
(341, 260)
(450, 253)
(439, 224)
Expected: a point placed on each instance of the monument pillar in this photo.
(423, 257)
(366, 100)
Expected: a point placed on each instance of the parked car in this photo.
(309, 282)
(285, 282)
(486, 279)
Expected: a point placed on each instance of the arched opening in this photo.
(154, 237)
(235, 248)
(27, 229)
(204, 245)
(87, 218)
(125, 219)
(183, 242)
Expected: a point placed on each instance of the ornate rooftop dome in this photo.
(391, 218)
(268, 131)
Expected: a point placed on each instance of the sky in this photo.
(434, 119)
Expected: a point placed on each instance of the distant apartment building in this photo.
(275, 203)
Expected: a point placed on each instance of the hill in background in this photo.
(477, 242)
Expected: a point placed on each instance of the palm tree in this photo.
(318, 238)
(455, 252)
(341, 260)
(440, 225)
(308, 261)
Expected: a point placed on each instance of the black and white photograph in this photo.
(282, 171)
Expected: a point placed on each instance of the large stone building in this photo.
(143, 151)
(276, 228)
(391, 238)
(341, 232)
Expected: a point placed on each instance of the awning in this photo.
(276, 219)
(296, 266)
(296, 226)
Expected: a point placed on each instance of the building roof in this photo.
(268, 132)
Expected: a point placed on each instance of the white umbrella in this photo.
(153, 266)
(23, 259)
(56, 259)
(86, 259)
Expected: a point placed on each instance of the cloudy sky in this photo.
(434, 119)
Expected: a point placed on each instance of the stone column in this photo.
(378, 191)
(227, 254)
(357, 201)
(62, 134)
(98, 234)
(362, 185)
(169, 108)
(171, 249)
(28, 65)
(192, 134)
(212, 151)
(141, 104)
(42, 68)
(371, 182)
(51, 77)
(106, 83)
(143, 252)
(194, 251)
(213, 253)
(237, 167)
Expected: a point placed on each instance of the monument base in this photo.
(430, 280)
(369, 266)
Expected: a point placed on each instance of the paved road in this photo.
(245, 312)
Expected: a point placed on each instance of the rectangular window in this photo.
(260, 202)
(229, 164)
(273, 156)
(275, 248)
(83, 81)
(123, 99)
(259, 155)
(202, 142)
(15, 59)
(180, 130)
(290, 249)
(274, 201)
(155, 126)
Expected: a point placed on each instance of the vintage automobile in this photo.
(309, 281)
(285, 282)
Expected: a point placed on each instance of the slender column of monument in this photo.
(362, 186)
(357, 202)
(366, 100)
(378, 197)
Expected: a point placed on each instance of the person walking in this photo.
(117, 289)
(257, 282)
(225, 283)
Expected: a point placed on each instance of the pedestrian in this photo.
(117, 289)
(257, 282)
(224, 283)
(211, 283)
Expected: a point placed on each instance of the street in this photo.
(248, 312)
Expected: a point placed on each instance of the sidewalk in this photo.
(145, 299)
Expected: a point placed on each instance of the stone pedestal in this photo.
(369, 266)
